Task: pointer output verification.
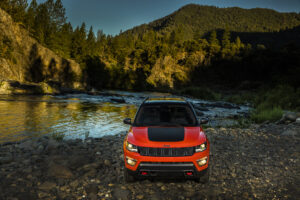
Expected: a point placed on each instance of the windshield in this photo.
(165, 115)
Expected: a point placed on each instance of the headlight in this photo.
(130, 161)
(200, 147)
(131, 147)
(202, 161)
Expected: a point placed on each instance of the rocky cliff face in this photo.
(24, 61)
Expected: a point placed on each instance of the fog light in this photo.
(130, 161)
(202, 161)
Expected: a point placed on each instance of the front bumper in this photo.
(156, 166)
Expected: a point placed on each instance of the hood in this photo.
(166, 136)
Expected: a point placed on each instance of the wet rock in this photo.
(121, 100)
(220, 105)
(27, 145)
(59, 171)
(298, 120)
(198, 113)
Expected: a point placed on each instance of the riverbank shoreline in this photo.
(260, 162)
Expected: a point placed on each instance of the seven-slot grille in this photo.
(166, 152)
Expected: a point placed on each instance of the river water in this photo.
(81, 115)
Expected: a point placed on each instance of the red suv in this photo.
(166, 139)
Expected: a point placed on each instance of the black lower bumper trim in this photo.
(167, 169)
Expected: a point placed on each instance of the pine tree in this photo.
(91, 42)
(79, 47)
(213, 40)
(31, 14)
(226, 39)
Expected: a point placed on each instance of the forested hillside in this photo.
(197, 21)
(190, 50)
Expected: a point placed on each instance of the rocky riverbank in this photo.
(261, 162)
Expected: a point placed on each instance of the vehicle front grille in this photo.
(166, 152)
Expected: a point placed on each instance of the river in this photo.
(83, 115)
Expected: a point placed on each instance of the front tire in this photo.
(128, 177)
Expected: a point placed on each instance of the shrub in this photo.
(264, 112)
(283, 96)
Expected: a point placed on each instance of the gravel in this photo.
(261, 162)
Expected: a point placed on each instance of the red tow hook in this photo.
(144, 173)
(189, 173)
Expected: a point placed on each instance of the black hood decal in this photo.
(166, 134)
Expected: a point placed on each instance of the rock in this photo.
(220, 104)
(118, 100)
(92, 188)
(42, 195)
(27, 145)
(59, 171)
(52, 145)
(140, 196)
(289, 133)
(47, 185)
(290, 116)
(77, 161)
(199, 107)
(107, 163)
(6, 160)
(74, 184)
(119, 193)
(91, 173)
(198, 113)
(298, 120)
(65, 188)
(92, 196)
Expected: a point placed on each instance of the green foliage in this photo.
(195, 47)
(264, 112)
(283, 96)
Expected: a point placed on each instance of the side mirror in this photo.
(203, 121)
(127, 121)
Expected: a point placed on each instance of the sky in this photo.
(111, 16)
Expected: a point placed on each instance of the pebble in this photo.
(245, 164)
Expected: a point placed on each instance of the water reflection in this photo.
(81, 115)
(22, 117)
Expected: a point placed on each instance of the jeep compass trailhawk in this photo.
(165, 139)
